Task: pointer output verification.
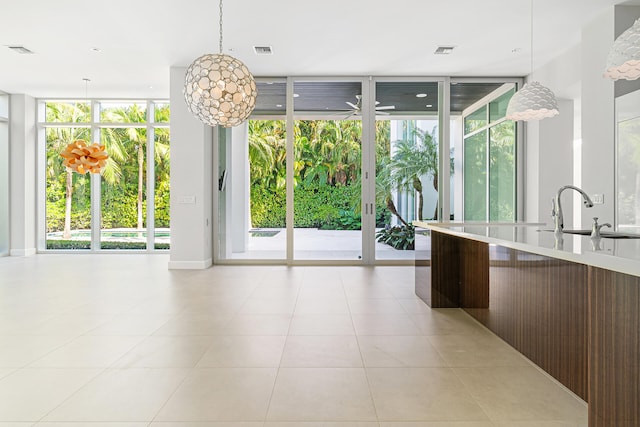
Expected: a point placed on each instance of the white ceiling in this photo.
(140, 40)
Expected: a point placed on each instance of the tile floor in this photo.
(120, 341)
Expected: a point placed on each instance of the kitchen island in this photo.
(569, 303)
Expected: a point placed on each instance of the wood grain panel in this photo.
(614, 301)
(459, 272)
(474, 273)
(423, 265)
(539, 306)
(445, 271)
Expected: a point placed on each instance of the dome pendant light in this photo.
(534, 101)
(219, 89)
(623, 61)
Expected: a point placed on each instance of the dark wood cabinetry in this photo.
(614, 377)
(581, 324)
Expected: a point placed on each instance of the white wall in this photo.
(22, 175)
(549, 146)
(4, 175)
(597, 116)
(586, 121)
(191, 183)
(556, 157)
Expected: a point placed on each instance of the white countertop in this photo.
(621, 255)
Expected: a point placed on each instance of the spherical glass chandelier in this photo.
(219, 89)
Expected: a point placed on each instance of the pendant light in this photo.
(623, 61)
(219, 89)
(534, 101)
(81, 157)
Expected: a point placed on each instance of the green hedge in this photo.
(315, 206)
(119, 207)
(85, 244)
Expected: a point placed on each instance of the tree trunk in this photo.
(140, 183)
(392, 208)
(417, 185)
(435, 186)
(66, 234)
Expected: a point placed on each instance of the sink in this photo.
(603, 234)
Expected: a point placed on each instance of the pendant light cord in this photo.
(221, 27)
(531, 41)
(86, 89)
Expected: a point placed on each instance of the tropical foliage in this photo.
(327, 158)
(401, 237)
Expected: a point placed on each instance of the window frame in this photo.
(95, 126)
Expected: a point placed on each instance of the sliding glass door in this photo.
(252, 181)
(327, 144)
(407, 138)
(335, 170)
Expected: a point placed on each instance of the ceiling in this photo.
(138, 41)
(337, 97)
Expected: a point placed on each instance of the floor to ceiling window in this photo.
(406, 164)
(327, 171)
(4, 174)
(490, 159)
(335, 170)
(252, 183)
(113, 210)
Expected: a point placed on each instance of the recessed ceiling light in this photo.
(21, 49)
(263, 50)
(295, 95)
(421, 95)
(279, 105)
(444, 50)
(429, 105)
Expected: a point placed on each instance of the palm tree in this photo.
(330, 151)
(57, 139)
(415, 158)
(385, 184)
(117, 139)
(267, 152)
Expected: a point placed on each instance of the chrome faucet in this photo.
(556, 212)
(595, 228)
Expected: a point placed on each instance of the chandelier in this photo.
(219, 89)
(81, 157)
(623, 61)
(534, 101)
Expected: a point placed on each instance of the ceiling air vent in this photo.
(20, 49)
(444, 50)
(263, 50)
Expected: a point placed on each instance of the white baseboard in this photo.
(190, 265)
(22, 252)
